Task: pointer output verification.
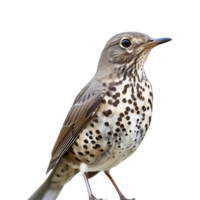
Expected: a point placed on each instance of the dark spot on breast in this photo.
(128, 108)
(106, 124)
(143, 108)
(127, 117)
(85, 146)
(105, 113)
(77, 159)
(92, 155)
(149, 120)
(103, 101)
(117, 123)
(125, 88)
(90, 132)
(98, 145)
(114, 96)
(120, 119)
(80, 153)
(117, 101)
(110, 102)
(109, 133)
(109, 94)
(100, 137)
(112, 88)
(133, 97)
(117, 94)
(109, 112)
(115, 104)
(97, 131)
(121, 115)
(86, 141)
(72, 151)
(76, 143)
(126, 112)
(124, 100)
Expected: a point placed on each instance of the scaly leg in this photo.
(116, 187)
(83, 168)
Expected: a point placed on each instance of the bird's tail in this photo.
(59, 176)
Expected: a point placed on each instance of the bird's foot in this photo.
(94, 198)
(123, 198)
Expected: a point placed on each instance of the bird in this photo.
(109, 117)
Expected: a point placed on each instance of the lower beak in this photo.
(154, 42)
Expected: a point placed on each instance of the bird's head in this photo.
(127, 48)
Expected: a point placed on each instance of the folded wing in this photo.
(85, 105)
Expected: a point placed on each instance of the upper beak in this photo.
(154, 42)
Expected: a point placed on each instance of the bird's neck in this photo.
(129, 71)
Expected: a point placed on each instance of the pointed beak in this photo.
(154, 42)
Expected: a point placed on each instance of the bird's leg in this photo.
(83, 168)
(116, 187)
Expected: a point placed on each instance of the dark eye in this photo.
(126, 43)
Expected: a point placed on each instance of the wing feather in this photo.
(85, 104)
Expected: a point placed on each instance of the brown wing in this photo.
(85, 104)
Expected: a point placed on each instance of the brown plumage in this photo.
(81, 111)
(109, 117)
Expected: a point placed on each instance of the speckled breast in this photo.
(118, 127)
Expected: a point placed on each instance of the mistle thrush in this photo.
(108, 119)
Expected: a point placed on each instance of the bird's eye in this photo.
(126, 43)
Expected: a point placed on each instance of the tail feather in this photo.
(44, 192)
(50, 189)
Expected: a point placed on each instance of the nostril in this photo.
(151, 40)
